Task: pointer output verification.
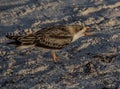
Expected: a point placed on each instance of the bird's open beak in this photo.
(89, 31)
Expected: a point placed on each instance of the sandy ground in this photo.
(89, 63)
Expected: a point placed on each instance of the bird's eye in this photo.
(80, 28)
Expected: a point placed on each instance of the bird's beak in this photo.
(89, 31)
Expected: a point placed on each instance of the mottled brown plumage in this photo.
(54, 37)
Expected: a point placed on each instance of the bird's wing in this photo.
(27, 40)
(54, 37)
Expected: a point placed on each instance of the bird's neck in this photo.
(71, 30)
(77, 36)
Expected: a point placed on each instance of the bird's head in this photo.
(74, 29)
(79, 30)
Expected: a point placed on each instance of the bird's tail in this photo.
(15, 38)
(22, 40)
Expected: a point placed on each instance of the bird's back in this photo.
(55, 37)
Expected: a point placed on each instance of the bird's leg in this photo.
(54, 56)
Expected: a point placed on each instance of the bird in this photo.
(52, 37)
